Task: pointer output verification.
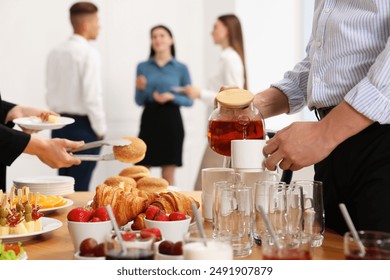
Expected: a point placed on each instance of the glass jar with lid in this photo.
(235, 117)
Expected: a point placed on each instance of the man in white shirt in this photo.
(74, 87)
(345, 78)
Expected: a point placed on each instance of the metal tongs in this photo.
(96, 144)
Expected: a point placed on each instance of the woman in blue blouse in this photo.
(157, 85)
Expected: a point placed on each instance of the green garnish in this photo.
(10, 254)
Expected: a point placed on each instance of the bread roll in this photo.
(132, 153)
(121, 181)
(152, 185)
(49, 118)
(136, 172)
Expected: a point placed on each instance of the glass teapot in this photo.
(234, 118)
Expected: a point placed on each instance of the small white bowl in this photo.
(170, 230)
(78, 257)
(160, 256)
(79, 231)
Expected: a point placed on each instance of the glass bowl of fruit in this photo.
(168, 250)
(90, 249)
(137, 246)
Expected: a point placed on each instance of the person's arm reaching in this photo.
(53, 152)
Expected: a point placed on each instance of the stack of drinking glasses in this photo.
(296, 214)
(231, 199)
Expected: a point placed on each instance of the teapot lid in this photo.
(235, 98)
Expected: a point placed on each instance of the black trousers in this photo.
(80, 130)
(357, 173)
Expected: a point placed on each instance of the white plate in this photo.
(36, 123)
(50, 210)
(47, 185)
(44, 180)
(49, 224)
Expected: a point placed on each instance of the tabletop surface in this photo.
(57, 245)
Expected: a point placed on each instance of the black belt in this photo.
(73, 116)
(322, 112)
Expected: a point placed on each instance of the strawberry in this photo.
(151, 212)
(145, 232)
(80, 214)
(177, 216)
(127, 236)
(101, 213)
(94, 220)
(161, 216)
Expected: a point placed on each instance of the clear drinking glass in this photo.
(376, 245)
(307, 198)
(271, 196)
(234, 217)
(194, 247)
(291, 247)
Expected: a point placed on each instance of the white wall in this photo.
(29, 29)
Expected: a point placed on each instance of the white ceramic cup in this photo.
(209, 177)
(247, 154)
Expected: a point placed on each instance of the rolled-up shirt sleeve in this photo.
(294, 84)
(371, 96)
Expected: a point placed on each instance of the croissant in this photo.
(126, 205)
(129, 203)
(175, 202)
(168, 202)
(139, 222)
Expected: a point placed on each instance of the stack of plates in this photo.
(47, 185)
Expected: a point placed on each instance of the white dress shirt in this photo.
(229, 71)
(73, 82)
(348, 58)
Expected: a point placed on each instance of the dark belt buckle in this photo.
(322, 112)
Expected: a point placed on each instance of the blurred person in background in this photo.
(74, 89)
(13, 143)
(230, 70)
(345, 79)
(157, 83)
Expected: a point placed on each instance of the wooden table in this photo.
(57, 245)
